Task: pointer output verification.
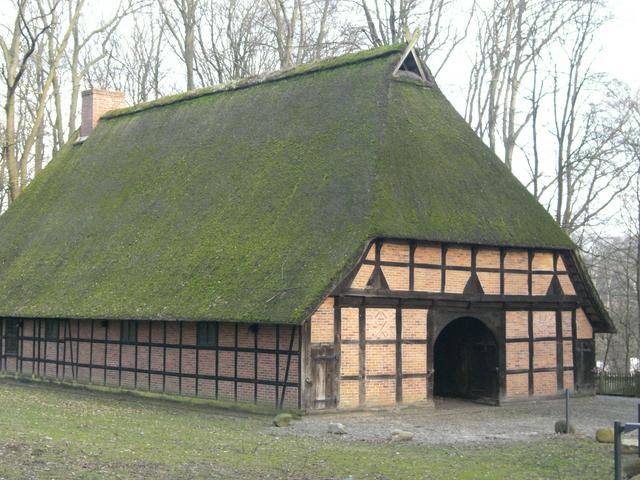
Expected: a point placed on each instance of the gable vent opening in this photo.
(410, 65)
(411, 68)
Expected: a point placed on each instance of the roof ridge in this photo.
(274, 76)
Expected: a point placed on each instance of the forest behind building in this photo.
(521, 72)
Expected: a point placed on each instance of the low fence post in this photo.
(618, 429)
(617, 448)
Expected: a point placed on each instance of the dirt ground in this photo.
(451, 421)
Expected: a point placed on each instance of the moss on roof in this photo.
(251, 203)
(327, 64)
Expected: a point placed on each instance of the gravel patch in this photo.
(456, 422)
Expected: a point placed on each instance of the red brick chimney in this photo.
(96, 103)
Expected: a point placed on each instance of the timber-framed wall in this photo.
(246, 363)
(381, 323)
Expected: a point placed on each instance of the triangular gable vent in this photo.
(410, 64)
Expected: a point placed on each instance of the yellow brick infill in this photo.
(440, 268)
(383, 356)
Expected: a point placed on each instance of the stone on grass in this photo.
(337, 428)
(562, 427)
(604, 435)
(401, 436)
(282, 420)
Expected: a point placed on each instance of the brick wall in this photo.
(436, 268)
(378, 382)
(534, 365)
(517, 324)
(248, 364)
(427, 279)
(397, 277)
(538, 363)
(544, 324)
(517, 385)
(583, 326)
(456, 280)
(394, 252)
(518, 355)
(322, 329)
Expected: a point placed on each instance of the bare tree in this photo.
(286, 18)
(180, 20)
(510, 37)
(387, 20)
(613, 264)
(136, 63)
(300, 29)
(29, 26)
(143, 62)
(232, 41)
(589, 166)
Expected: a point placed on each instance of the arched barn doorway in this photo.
(466, 361)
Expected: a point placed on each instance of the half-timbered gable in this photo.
(374, 340)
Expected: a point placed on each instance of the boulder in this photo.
(401, 436)
(604, 435)
(282, 419)
(337, 428)
(562, 427)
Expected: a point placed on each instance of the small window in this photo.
(207, 334)
(11, 337)
(52, 330)
(129, 331)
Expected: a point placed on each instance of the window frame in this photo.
(14, 338)
(129, 331)
(49, 330)
(206, 334)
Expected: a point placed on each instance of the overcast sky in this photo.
(620, 40)
(616, 52)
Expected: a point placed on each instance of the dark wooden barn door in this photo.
(323, 376)
(466, 361)
(585, 362)
(483, 369)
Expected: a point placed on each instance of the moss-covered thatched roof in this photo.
(249, 202)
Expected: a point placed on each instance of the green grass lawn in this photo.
(49, 431)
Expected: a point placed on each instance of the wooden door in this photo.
(324, 361)
(585, 362)
(483, 370)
